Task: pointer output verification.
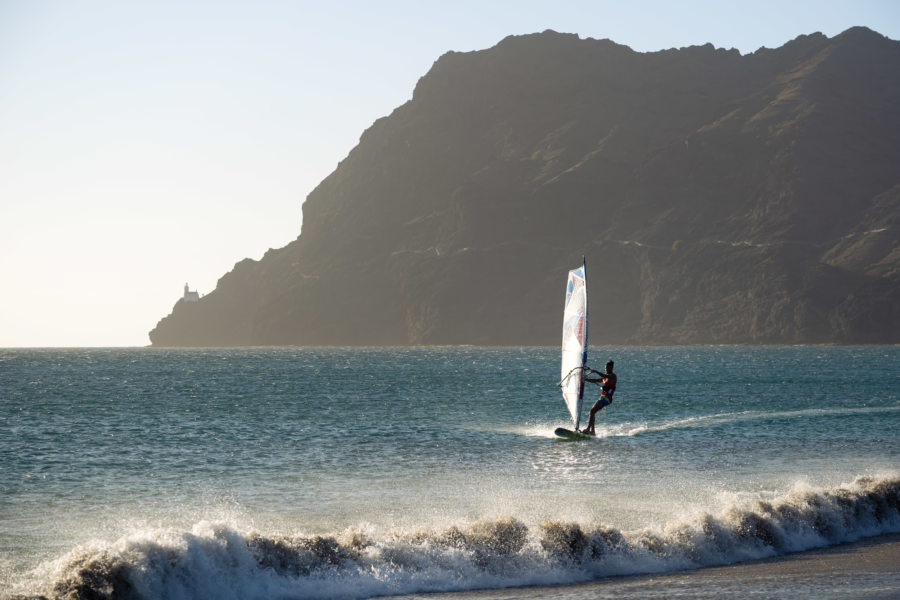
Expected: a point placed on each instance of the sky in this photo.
(145, 145)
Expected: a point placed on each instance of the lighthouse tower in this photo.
(190, 296)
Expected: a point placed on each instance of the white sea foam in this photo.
(633, 428)
(220, 560)
(637, 428)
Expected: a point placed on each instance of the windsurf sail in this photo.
(575, 342)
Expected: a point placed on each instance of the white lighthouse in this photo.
(190, 296)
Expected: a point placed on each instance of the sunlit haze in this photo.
(149, 145)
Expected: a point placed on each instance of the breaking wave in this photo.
(217, 561)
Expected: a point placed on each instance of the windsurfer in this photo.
(607, 382)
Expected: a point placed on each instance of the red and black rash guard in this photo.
(609, 385)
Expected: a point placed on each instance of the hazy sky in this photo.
(148, 144)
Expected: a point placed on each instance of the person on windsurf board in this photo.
(607, 382)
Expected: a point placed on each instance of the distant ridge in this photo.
(718, 198)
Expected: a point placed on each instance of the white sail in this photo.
(574, 342)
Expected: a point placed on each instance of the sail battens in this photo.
(574, 342)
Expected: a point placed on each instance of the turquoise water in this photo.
(350, 473)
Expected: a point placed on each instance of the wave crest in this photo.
(217, 561)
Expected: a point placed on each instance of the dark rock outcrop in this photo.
(718, 198)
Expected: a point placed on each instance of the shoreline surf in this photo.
(867, 568)
(217, 560)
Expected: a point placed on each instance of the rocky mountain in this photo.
(717, 198)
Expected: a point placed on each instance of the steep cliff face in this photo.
(718, 198)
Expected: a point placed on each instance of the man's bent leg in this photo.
(598, 406)
(594, 409)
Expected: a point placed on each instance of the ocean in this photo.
(347, 473)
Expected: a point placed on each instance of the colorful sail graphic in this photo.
(574, 342)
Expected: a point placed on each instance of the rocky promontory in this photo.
(717, 197)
